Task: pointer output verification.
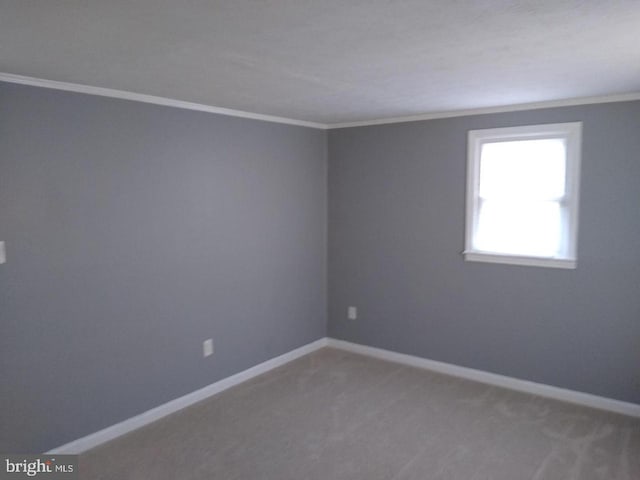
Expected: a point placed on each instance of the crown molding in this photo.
(141, 97)
(169, 102)
(626, 97)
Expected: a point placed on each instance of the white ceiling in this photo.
(331, 61)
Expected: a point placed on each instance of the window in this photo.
(522, 195)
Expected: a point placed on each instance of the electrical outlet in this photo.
(352, 313)
(207, 347)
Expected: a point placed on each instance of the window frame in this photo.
(571, 132)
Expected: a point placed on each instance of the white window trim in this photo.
(572, 132)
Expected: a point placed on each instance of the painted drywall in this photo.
(396, 233)
(133, 233)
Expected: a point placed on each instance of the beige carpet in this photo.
(336, 415)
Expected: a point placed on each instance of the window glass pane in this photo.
(519, 228)
(533, 169)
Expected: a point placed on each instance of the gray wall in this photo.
(134, 232)
(396, 230)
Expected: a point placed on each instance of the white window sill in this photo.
(471, 256)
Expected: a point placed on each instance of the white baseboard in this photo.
(94, 439)
(557, 393)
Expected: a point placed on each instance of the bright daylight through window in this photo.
(522, 195)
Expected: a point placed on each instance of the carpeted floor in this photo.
(335, 415)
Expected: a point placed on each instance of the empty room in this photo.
(319, 239)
